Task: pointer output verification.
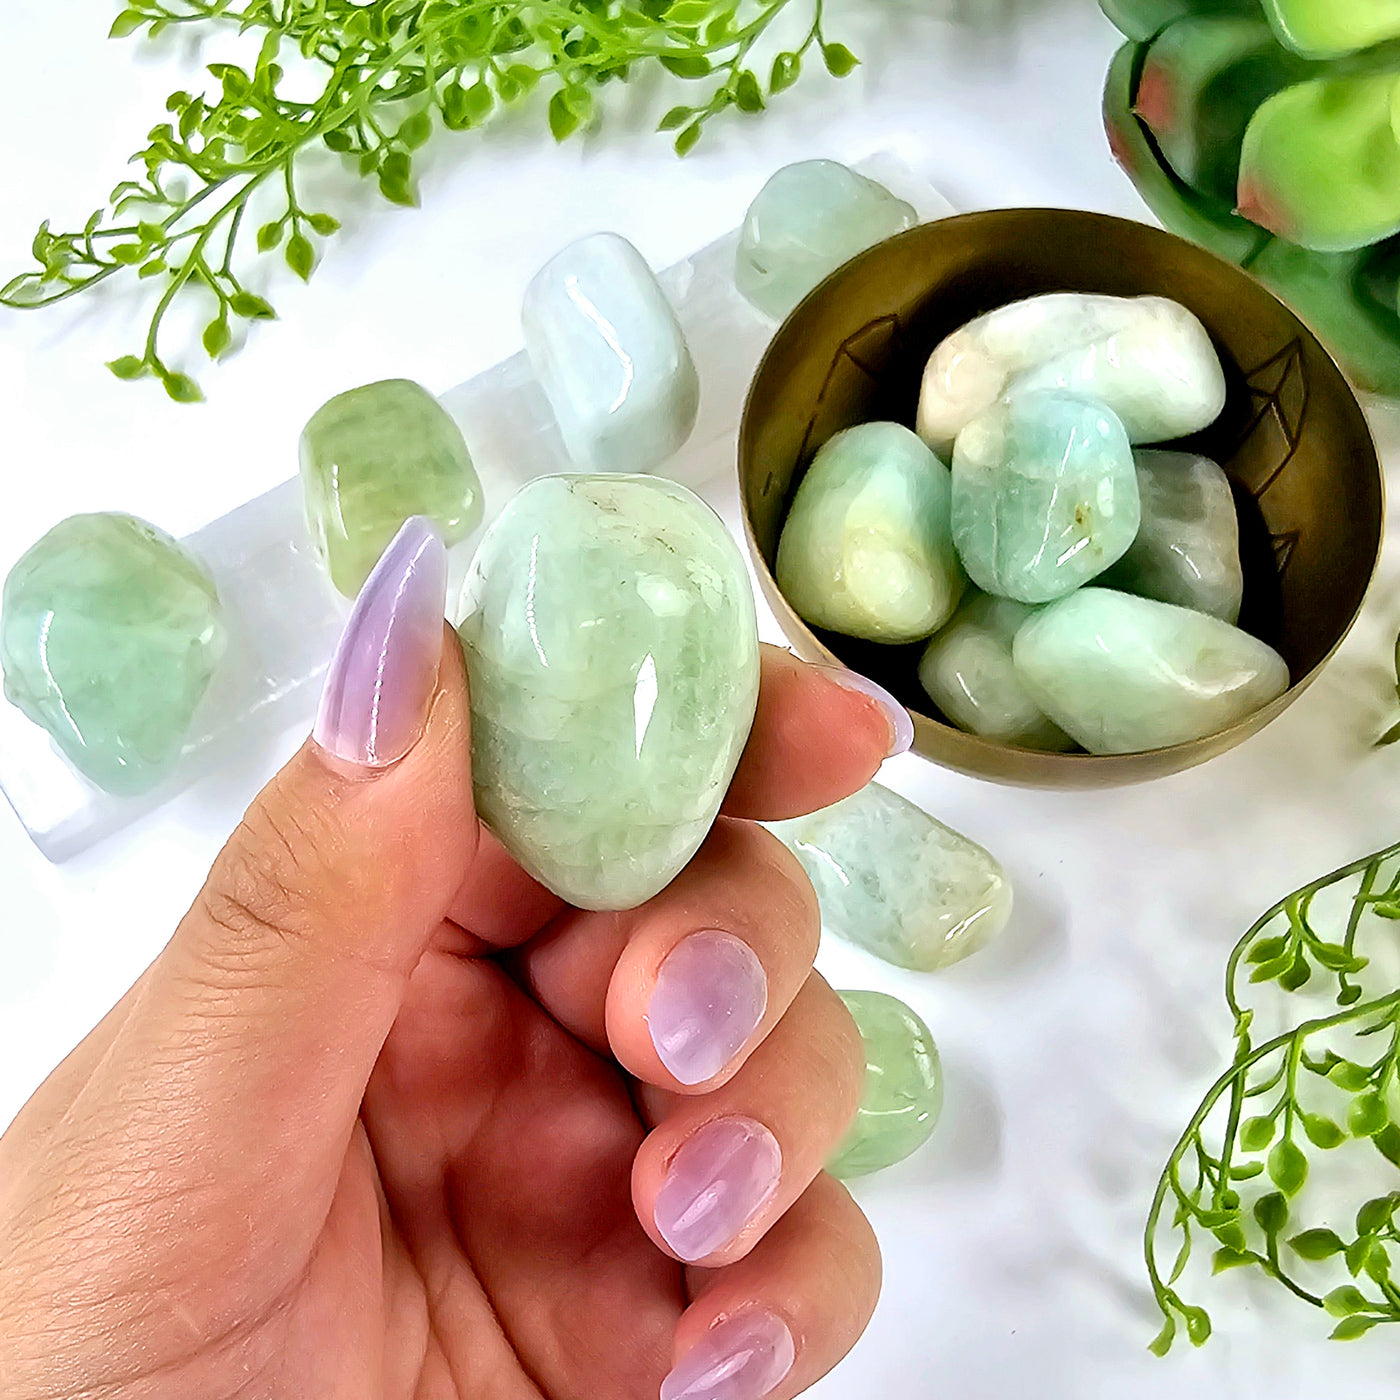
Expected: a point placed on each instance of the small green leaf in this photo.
(748, 96)
(416, 130)
(1267, 949)
(251, 307)
(563, 122)
(269, 236)
(786, 69)
(1257, 1133)
(395, 178)
(1276, 967)
(217, 337)
(685, 142)
(1368, 1114)
(1316, 1244)
(1296, 975)
(1271, 1213)
(1224, 1259)
(1231, 1235)
(129, 367)
(686, 65)
(1350, 1328)
(1247, 1172)
(153, 268)
(1322, 1131)
(1343, 1301)
(1378, 1265)
(128, 253)
(1161, 1344)
(1375, 1215)
(338, 141)
(1348, 995)
(689, 13)
(1288, 1168)
(324, 224)
(1197, 1325)
(676, 117)
(301, 256)
(1357, 1253)
(478, 101)
(182, 388)
(128, 22)
(1351, 1077)
(1388, 1143)
(839, 60)
(523, 76)
(1334, 957)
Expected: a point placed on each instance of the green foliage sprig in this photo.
(390, 71)
(1236, 1177)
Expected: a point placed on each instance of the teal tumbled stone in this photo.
(1125, 674)
(892, 880)
(110, 632)
(1044, 495)
(610, 637)
(808, 219)
(867, 547)
(903, 1094)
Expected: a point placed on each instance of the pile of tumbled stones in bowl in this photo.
(1075, 587)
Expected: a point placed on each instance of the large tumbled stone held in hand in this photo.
(1045, 496)
(968, 673)
(371, 458)
(903, 1094)
(892, 880)
(610, 355)
(1187, 549)
(1125, 675)
(110, 632)
(1147, 359)
(612, 646)
(867, 548)
(804, 223)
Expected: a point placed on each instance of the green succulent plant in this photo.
(1269, 131)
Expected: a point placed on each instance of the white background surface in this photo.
(1077, 1046)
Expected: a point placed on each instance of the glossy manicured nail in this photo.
(710, 995)
(901, 724)
(742, 1358)
(385, 666)
(718, 1181)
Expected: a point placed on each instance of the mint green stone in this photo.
(903, 1087)
(1124, 674)
(109, 634)
(610, 637)
(374, 456)
(867, 548)
(968, 673)
(804, 223)
(1044, 495)
(892, 880)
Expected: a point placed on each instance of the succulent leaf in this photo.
(1332, 28)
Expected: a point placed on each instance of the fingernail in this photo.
(742, 1358)
(901, 723)
(710, 995)
(717, 1183)
(385, 666)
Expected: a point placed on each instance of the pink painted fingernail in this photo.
(719, 1180)
(901, 723)
(742, 1358)
(710, 995)
(382, 676)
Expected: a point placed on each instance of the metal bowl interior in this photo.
(1293, 440)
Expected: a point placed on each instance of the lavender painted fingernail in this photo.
(901, 723)
(710, 995)
(385, 666)
(719, 1180)
(742, 1358)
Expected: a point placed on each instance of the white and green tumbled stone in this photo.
(1044, 497)
(611, 641)
(1187, 549)
(968, 673)
(610, 355)
(892, 880)
(371, 458)
(804, 223)
(903, 1094)
(110, 632)
(1124, 674)
(867, 547)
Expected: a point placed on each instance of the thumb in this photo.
(273, 999)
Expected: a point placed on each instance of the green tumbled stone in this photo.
(109, 634)
(892, 880)
(1124, 674)
(1044, 495)
(903, 1087)
(612, 645)
(374, 456)
(867, 549)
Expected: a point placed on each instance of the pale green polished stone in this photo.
(1187, 549)
(804, 223)
(1044, 495)
(895, 882)
(109, 634)
(967, 671)
(866, 549)
(1124, 674)
(374, 456)
(612, 646)
(903, 1087)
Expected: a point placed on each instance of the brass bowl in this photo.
(1293, 440)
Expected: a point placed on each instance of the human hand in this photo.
(387, 1119)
